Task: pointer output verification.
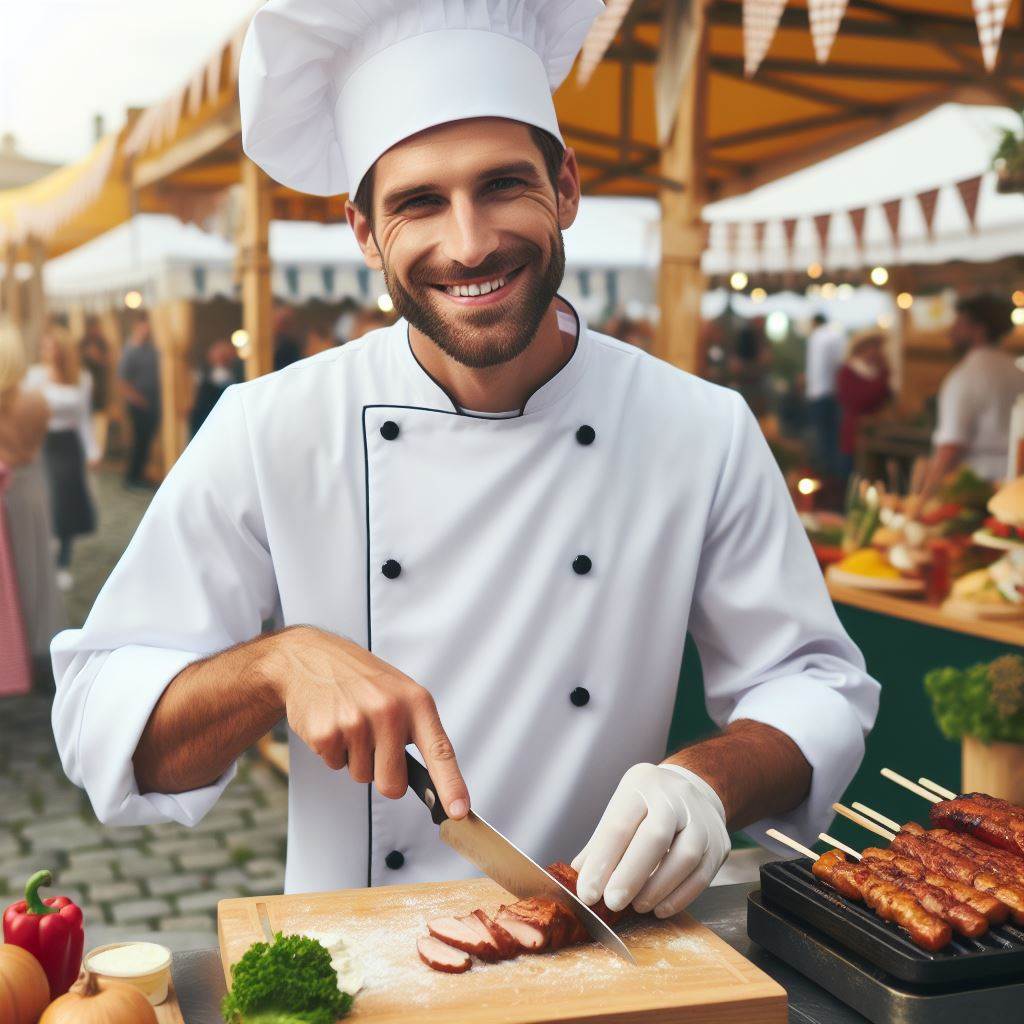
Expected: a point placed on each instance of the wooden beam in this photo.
(681, 281)
(173, 324)
(805, 124)
(253, 255)
(606, 139)
(640, 52)
(613, 170)
(815, 94)
(221, 130)
(839, 69)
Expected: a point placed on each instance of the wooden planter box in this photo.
(1010, 180)
(994, 768)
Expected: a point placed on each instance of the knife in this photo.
(501, 860)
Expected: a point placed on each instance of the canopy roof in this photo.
(892, 61)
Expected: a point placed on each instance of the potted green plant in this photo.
(983, 707)
(1008, 160)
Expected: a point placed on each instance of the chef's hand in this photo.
(658, 844)
(353, 709)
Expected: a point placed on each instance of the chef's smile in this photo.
(481, 291)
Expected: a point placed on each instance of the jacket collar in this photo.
(548, 394)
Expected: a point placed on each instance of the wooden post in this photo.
(35, 320)
(173, 332)
(254, 270)
(681, 282)
(110, 324)
(12, 290)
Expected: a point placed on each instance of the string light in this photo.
(845, 290)
(384, 303)
(828, 291)
(879, 276)
(133, 299)
(1018, 298)
(240, 338)
(814, 271)
(904, 300)
(758, 295)
(738, 281)
(1017, 316)
(884, 321)
(808, 485)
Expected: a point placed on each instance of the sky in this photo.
(62, 61)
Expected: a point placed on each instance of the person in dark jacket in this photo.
(223, 368)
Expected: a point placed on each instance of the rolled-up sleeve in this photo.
(772, 648)
(196, 578)
(956, 412)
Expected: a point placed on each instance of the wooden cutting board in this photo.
(169, 1012)
(684, 973)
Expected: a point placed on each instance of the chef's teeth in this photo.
(476, 289)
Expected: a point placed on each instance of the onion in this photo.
(24, 988)
(86, 1003)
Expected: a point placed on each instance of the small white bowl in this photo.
(151, 983)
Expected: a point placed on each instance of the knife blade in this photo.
(502, 861)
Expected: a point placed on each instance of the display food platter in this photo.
(989, 540)
(989, 612)
(888, 586)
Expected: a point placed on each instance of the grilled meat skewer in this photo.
(995, 826)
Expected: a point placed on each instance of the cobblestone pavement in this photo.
(159, 880)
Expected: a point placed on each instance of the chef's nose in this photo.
(470, 237)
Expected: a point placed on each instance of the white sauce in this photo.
(132, 958)
(343, 959)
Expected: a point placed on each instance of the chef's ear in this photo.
(568, 189)
(362, 228)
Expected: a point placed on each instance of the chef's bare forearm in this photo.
(210, 712)
(944, 460)
(756, 770)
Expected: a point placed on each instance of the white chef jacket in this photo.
(550, 681)
(825, 347)
(974, 407)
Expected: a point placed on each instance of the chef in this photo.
(484, 531)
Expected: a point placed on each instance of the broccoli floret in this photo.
(288, 981)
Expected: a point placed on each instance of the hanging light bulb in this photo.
(758, 295)
(879, 276)
(738, 281)
(904, 300)
(384, 303)
(133, 299)
(814, 271)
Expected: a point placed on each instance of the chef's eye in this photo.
(498, 184)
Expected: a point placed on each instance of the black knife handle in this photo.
(423, 786)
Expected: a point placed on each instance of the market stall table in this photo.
(199, 978)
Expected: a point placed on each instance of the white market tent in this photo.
(952, 143)
(611, 261)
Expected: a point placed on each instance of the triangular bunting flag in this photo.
(969, 191)
(927, 201)
(760, 20)
(759, 230)
(821, 225)
(825, 16)
(857, 218)
(789, 231)
(892, 215)
(989, 16)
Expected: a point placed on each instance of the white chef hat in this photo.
(326, 86)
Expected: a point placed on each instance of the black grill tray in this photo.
(999, 954)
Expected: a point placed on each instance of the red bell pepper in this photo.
(51, 930)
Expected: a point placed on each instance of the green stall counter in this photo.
(901, 640)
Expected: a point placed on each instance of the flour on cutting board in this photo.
(382, 949)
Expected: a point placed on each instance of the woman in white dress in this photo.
(70, 442)
(26, 500)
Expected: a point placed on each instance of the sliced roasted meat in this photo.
(465, 933)
(531, 939)
(439, 956)
(507, 945)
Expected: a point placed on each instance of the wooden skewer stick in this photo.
(875, 816)
(826, 838)
(936, 788)
(863, 822)
(907, 784)
(779, 837)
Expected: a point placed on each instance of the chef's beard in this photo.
(487, 335)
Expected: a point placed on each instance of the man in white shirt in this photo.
(977, 396)
(824, 356)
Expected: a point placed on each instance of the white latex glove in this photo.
(658, 844)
